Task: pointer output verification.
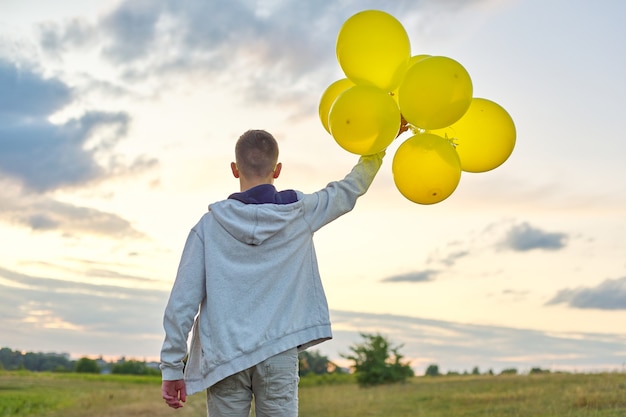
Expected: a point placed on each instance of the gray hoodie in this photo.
(251, 270)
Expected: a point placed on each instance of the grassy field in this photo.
(564, 395)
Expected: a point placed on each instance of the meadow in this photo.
(27, 394)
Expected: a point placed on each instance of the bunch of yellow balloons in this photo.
(453, 131)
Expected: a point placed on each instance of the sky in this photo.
(117, 126)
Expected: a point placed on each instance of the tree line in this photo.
(12, 360)
(375, 361)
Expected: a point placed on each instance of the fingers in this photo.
(174, 393)
(172, 401)
(183, 394)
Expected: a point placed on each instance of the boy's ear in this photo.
(279, 166)
(234, 169)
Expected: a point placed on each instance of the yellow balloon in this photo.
(328, 98)
(485, 136)
(364, 120)
(426, 168)
(435, 92)
(371, 46)
(404, 68)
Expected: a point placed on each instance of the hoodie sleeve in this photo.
(339, 197)
(187, 293)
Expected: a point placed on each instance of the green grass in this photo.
(27, 394)
(546, 395)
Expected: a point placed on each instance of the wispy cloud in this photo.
(421, 276)
(459, 346)
(95, 318)
(608, 295)
(264, 45)
(519, 237)
(42, 213)
(523, 237)
(257, 47)
(451, 258)
(57, 38)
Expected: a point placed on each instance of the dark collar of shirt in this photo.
(265, 193)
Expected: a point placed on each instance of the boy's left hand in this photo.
(174, 393)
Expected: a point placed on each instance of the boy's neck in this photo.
(246, 184)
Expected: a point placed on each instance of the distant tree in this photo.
(87, 366)
(313, 362)
(433, 370)
(475, 371)
(58, 362)
(32, 361)
(133, 367)
(377, 362)
(10, 359)
(509, 371)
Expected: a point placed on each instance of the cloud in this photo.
(132, 28)
(460, 346)
(219, 31)
(451, 258)
(101, 270)
(44, 156)
(98, 319)
(515, 295)
(39, 212)
(520, 237)
(144, 36)
(41, 313)
(524, 237)
(421, 276)
(257, 47)
(56, 38)
(271, 51)
(26, 95)
(608, 295)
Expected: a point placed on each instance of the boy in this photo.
(249, 265)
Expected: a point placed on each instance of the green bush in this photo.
(87, 366)
(376, 362)
(133, 368)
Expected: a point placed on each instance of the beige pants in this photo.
(273, 383)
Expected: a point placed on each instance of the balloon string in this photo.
(418, 131)
(451, 140)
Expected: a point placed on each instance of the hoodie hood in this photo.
(254, 223)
